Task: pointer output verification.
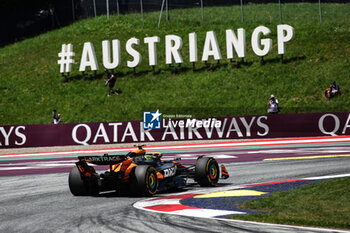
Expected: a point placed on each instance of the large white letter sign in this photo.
(192, 37)
(106, 53)
(135, 54)
(236, 47)
(238, 43)
(66, 58)
(265, 43)
(172, 46)
(152, 49)
(211, 47)
(88, 57)
(284, 34)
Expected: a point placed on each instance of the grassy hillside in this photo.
(323, 204)
(31, 86)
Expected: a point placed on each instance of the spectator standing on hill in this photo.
(56, 118)
(110, 81)
(273, 105)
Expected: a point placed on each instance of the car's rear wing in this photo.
(102, 160)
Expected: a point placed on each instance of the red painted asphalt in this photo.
(247, 143)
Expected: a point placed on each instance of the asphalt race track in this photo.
(42, 202)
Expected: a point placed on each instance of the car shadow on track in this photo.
(189, 187)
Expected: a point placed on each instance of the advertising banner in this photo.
(155, 128)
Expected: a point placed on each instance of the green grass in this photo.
(322, 204)
(31, 86)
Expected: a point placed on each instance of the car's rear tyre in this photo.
(144, 181)
(80, 187)
(207, 172)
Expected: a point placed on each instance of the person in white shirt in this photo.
(56, 118)
(273, 105)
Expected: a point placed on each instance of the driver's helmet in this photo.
(139, 151)
(136, 153)
(148, 157)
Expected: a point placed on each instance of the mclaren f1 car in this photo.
(140, 173)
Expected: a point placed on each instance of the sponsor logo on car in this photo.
(169, 172)
(103, 158)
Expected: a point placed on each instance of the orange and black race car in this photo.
(141, 173)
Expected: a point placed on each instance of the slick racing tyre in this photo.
(144, 181)
(79, 187)
(207, 172)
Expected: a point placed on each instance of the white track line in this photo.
(192, 146)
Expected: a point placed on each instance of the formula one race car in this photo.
(140, 173)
